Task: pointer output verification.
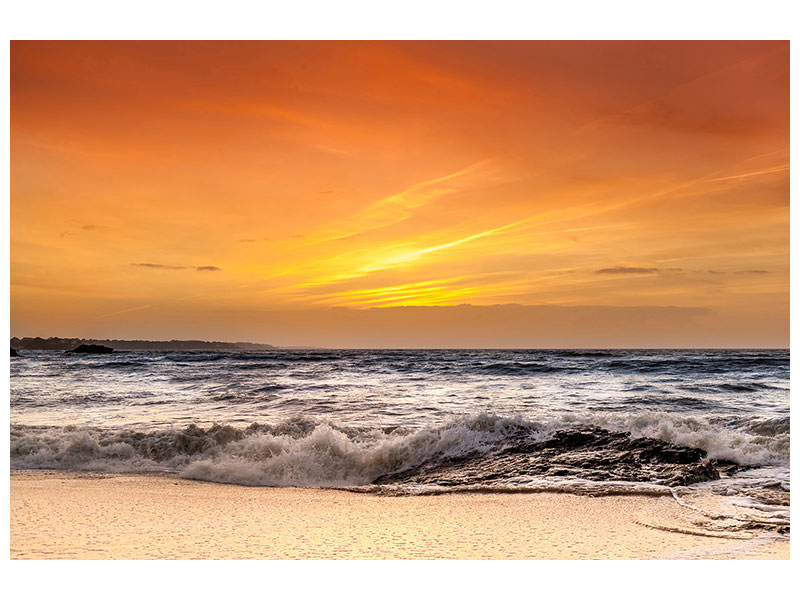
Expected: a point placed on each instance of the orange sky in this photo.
(292, 192)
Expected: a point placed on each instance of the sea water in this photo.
(417, 421)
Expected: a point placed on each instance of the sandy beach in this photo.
(62, 515)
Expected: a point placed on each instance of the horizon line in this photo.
(315, 347)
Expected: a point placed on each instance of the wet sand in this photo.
(59, 515)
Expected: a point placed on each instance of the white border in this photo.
(399, 19)
(409, 19)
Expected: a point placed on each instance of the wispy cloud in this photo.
(634, 270)
(127, 310)
(352, 265)
(410, 256)
(400, 206)
(778, 169)
(450, 290)
(174, 267)
(156, 266)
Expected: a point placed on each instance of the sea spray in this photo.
(307, 452)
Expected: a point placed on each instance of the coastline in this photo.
(81, 515)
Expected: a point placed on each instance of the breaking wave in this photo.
(304, 452)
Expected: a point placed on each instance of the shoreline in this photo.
(85, 515)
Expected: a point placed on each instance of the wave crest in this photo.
(309, 453)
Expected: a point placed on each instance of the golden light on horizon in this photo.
(198, 189)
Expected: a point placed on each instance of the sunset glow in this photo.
(250, 190)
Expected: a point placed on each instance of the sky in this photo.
(402, 194)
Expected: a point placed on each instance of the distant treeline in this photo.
(55, 343)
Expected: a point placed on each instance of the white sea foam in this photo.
(749, 442)
(290, 454)
(304, 452)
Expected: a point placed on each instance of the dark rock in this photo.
(92, 349)
(14, 352)
(588, 453)
(570, 439)
(672, 454)
(704, 471)
(726, 467)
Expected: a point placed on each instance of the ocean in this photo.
(419, 421)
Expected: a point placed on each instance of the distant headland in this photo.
(56, 343)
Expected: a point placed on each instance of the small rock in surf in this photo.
(92, 349)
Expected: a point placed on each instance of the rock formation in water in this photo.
(92, 349)
(586, 453)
